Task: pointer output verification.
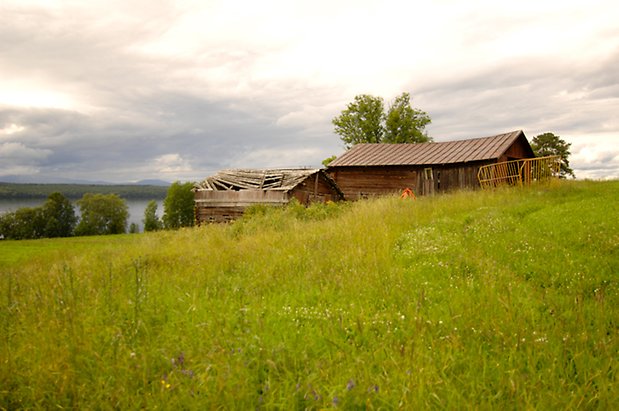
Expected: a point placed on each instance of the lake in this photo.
(136, 208)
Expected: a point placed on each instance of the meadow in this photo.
(473, 300)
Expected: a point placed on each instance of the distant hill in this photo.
(55, 180)
(152, 182)
(75, 191)
(46, 180)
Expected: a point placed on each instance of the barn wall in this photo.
(315, 188)
(221, 206)
(455, 177)
(364, 182)
(519, 150)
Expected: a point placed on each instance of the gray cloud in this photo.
(133, 93)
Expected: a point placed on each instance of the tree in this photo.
(364, 121)
(548, 144)
(361, 121)
(56, 218)
(151, 220)
(59, 215)
(102, 214)
(405, 124)
(328, 160)
(178, 206)
(25, 223)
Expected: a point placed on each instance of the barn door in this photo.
(428, 181)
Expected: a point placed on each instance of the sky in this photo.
(121, 91)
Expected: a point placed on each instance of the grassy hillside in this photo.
(504, 300)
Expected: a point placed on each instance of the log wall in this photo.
(364, 182)
(221, 206)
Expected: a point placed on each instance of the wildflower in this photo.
(373, 388)
(350, 385)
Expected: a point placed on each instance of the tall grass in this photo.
(505, 299)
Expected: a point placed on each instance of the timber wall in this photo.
(221, 206)
(364, 182)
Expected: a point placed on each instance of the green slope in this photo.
(503, 300)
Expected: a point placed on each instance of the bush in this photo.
(102, 214)
(179, 206)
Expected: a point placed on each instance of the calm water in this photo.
(136, 208)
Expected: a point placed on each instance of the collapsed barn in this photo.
(225, 195)
(368, 170)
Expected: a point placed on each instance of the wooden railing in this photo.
(519, 172)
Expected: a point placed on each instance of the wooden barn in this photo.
(368, 170)
(226, 195)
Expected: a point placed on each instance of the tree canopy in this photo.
(55, 218)
(59, 216)
(404, 124)
(364, 121)
(178, 206)
(549, 144)
(151, 220)
(102, 214)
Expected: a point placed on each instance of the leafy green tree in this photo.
(361, 121)
(328, 160)
(102, 214)
(151, 220)
(364, 121)
(59, 215)
(178, 206)
(25, 223)
(549, 144)
(6, 225)
(404, 124)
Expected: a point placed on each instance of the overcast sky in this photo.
(176, 90)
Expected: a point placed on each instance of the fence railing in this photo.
(519, 172)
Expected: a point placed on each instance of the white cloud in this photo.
(172, 164)
(11, 128)
(280, 157)
(595, 156)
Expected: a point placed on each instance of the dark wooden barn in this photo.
(368, 170)
(227, 194)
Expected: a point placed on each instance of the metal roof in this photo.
(449, 152)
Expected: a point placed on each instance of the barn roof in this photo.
(281, 179)
(449, 152)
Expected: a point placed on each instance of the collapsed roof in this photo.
(281, 179)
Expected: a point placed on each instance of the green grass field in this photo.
(480, 300)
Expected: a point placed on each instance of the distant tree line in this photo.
(100, 214)
(75, 191)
